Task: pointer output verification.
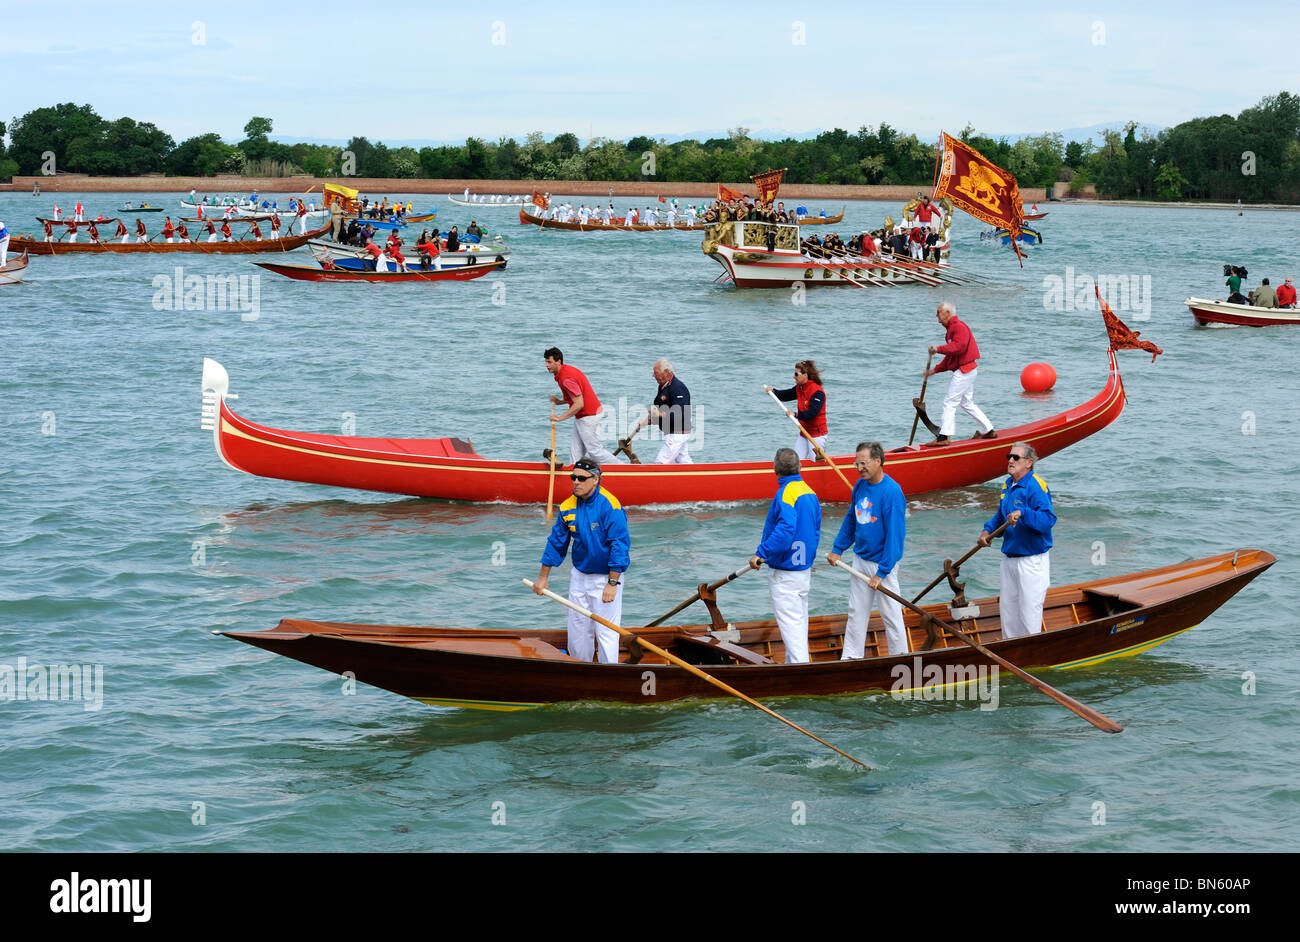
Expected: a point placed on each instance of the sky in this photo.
(447, 71)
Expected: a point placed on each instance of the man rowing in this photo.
(583, 407)
(961, 356)
(671, 411)
(791, 534)
(1025, 505)
(596, 524)
(875, 526)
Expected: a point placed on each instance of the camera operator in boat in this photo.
(596, 524)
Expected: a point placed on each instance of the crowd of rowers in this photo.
(593, 523)
(494, 198)
(920, 244)
(170, 231)
(430, 246)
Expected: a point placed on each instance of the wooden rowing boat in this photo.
(320, 273)
(11, 272)
(1030, 217)
(512, 669)
(528, 219)
(1240, 315)
(449, 468)
(237, 247)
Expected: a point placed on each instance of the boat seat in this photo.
(498, 647)
(709, 650)
(1112, 603)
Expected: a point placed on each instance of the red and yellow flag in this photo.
(1123, 337)
(540, 200)
(980, 187)
(768, 184)
(726, 194)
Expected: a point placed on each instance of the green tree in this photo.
(62, 129)
(1169, 182)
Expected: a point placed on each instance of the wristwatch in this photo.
(613, 581)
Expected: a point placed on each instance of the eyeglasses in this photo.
(1012, 456)
(582, 477)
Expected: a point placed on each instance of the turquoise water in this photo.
(127, 543)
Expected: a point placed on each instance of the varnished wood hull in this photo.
(516, 668)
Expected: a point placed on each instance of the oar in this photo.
(550, 477)
(816, 447)
(870, 278)
(957, 565)
(925, 378)
(713, 587)
(632, 636)
(1103, 723)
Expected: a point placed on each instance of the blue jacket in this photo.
(597, 527)
(875, 524)
(793, 528)
(1033, 534)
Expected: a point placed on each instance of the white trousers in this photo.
(586, 589)
(862, 598)
(804, 450)
(961, 392)
(1024, 586)
(674, 450)
(586, 441)
(4, 251)
(789, 589)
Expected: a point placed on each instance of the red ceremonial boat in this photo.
(335, 273)
(450, 469)
(1240, 315)
(514, 669)
(236, 247)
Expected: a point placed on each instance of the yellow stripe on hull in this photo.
(1122, 652)
(493, 705)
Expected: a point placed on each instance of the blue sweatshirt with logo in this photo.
(597, 527)
(875, 524)
(793, 528)
(1033, 534)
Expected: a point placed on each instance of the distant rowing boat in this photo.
(488, 204)
(312, 273)
(528, 219)
(234, 247)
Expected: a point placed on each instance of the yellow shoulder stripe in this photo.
(613, 501)
(794, 490)
(570, 504)
(1041, 483)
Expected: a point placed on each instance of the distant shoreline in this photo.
(377, 187)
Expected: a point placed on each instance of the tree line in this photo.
(1254, 156)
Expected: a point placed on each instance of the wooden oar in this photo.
(713, 587)
(925, 378)
(868, 276)
(672, 659)
(957, 565)
(1103, 723)
(550, 477)
(816, 447)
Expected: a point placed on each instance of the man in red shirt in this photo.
(1286, 294)
(584, 408)
(960, 354)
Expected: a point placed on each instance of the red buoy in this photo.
(1038, 377)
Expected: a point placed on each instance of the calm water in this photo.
(127, 543)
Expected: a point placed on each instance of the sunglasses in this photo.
(582, 477)
(1012, 456)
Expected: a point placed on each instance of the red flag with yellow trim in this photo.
(541, 201)
(1123, 337)
(768, 184)
(726, 194)
(979, 187)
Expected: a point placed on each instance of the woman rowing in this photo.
(811, 400)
